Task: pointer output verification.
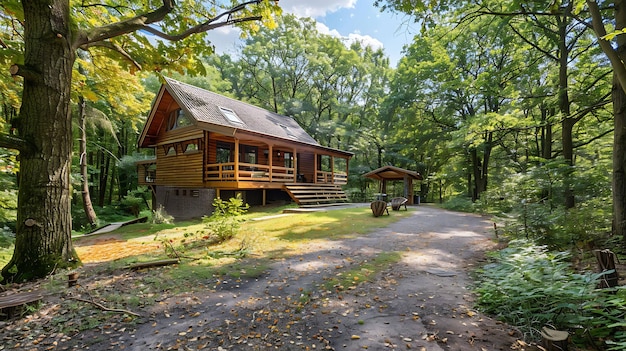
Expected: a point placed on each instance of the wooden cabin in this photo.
(208, 145)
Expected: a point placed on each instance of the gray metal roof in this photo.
(204, 106)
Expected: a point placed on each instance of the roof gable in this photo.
(392, 173)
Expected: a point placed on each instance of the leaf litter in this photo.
(291, 306)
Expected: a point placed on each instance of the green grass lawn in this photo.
(260, 240)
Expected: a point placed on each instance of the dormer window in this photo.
(177, 119)
(230, 115)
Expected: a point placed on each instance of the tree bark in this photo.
(565, 107)
(619, 160)
(619, 137)
(43, 239)
(92, 218)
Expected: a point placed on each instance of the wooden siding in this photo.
(179, 135)
(179, 170)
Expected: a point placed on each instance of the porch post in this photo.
(332, 169)
(294, 165)
(406, 186)
(236, 159)
(270, 155)
(315, 167)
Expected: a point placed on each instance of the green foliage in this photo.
(459, 203)
(8, 194)
(529, 287)
(227, 216)
(135, 201)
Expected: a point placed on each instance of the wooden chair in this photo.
(398, 202)
(378, 208)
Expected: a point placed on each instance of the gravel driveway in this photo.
(421, 303)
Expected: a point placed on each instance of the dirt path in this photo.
(421, 303)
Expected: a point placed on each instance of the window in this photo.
(177, 119)
(223, 153)
(190, 147)
(249, 154)
(230, 115)
(288, 160)
(170, 150)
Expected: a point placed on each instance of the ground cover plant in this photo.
(529, 286)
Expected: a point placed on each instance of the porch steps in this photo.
(316, 195)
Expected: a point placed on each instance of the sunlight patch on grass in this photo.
(365, 272)
(251, 251)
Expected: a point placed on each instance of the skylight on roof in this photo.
(230, 115)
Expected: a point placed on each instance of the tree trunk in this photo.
(103, 177)
(43, 240)
(565, 107)
(619, 160)
(619, 136)
(84, 175)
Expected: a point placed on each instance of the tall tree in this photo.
(53, 31)
(597, 14)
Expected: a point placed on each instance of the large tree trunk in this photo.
(43, 240)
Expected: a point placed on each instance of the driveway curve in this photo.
(422, 302)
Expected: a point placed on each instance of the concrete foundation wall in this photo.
(185, 203)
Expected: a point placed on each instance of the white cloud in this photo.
(316, 8)
(225, 39)
(366, 40)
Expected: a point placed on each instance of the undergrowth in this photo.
(529, 287)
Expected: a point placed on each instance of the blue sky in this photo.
(347, 19)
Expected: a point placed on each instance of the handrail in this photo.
(249, 172)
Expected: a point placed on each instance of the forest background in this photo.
(506, 111)
(476, 106)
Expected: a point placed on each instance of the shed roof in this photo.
(392, 173)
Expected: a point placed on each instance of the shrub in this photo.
(135, 201)
(529, 287)
(226, 218)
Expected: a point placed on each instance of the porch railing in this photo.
(249, 172)
(331, 178)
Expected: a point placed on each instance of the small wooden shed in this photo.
(387, 173)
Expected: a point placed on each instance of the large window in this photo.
(177, 119)
(250, 154)
(224, 151)
(288, 160)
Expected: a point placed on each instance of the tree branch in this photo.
(15, 143)
(104, 308)
(116, 48)
(25, 72)
(201, 28)
(605, 45)
(143, 21)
